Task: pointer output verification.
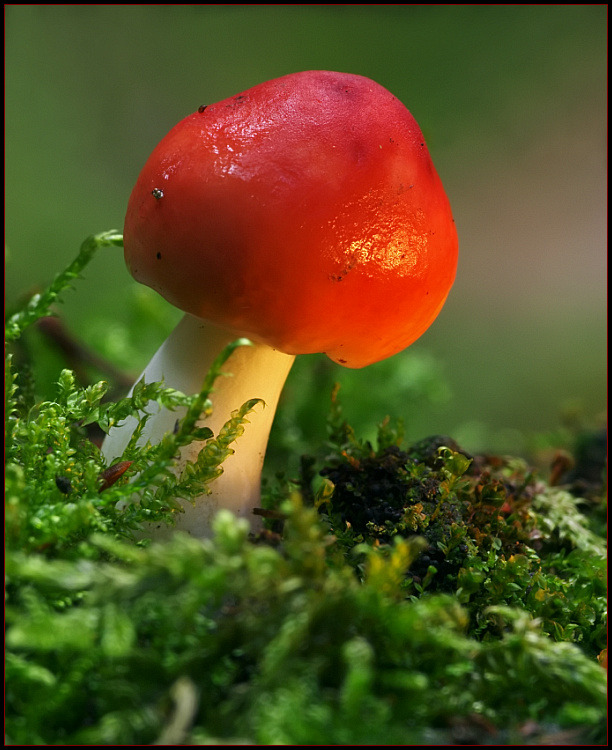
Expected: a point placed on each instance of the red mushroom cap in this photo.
(304, 213)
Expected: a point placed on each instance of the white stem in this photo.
(257, 371)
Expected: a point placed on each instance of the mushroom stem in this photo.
(256, 371)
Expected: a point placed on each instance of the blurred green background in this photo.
(513, 104)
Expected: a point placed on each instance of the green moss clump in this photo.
(414, 595)
(493, 532)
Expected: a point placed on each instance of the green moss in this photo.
(408, 595)
(494, 533)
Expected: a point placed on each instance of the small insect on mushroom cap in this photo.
(304, 213)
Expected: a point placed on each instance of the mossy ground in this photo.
(403, 594)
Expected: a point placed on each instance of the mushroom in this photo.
(304, 214)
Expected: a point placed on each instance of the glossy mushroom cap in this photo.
(304, 213)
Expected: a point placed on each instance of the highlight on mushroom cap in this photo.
(304, 213)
